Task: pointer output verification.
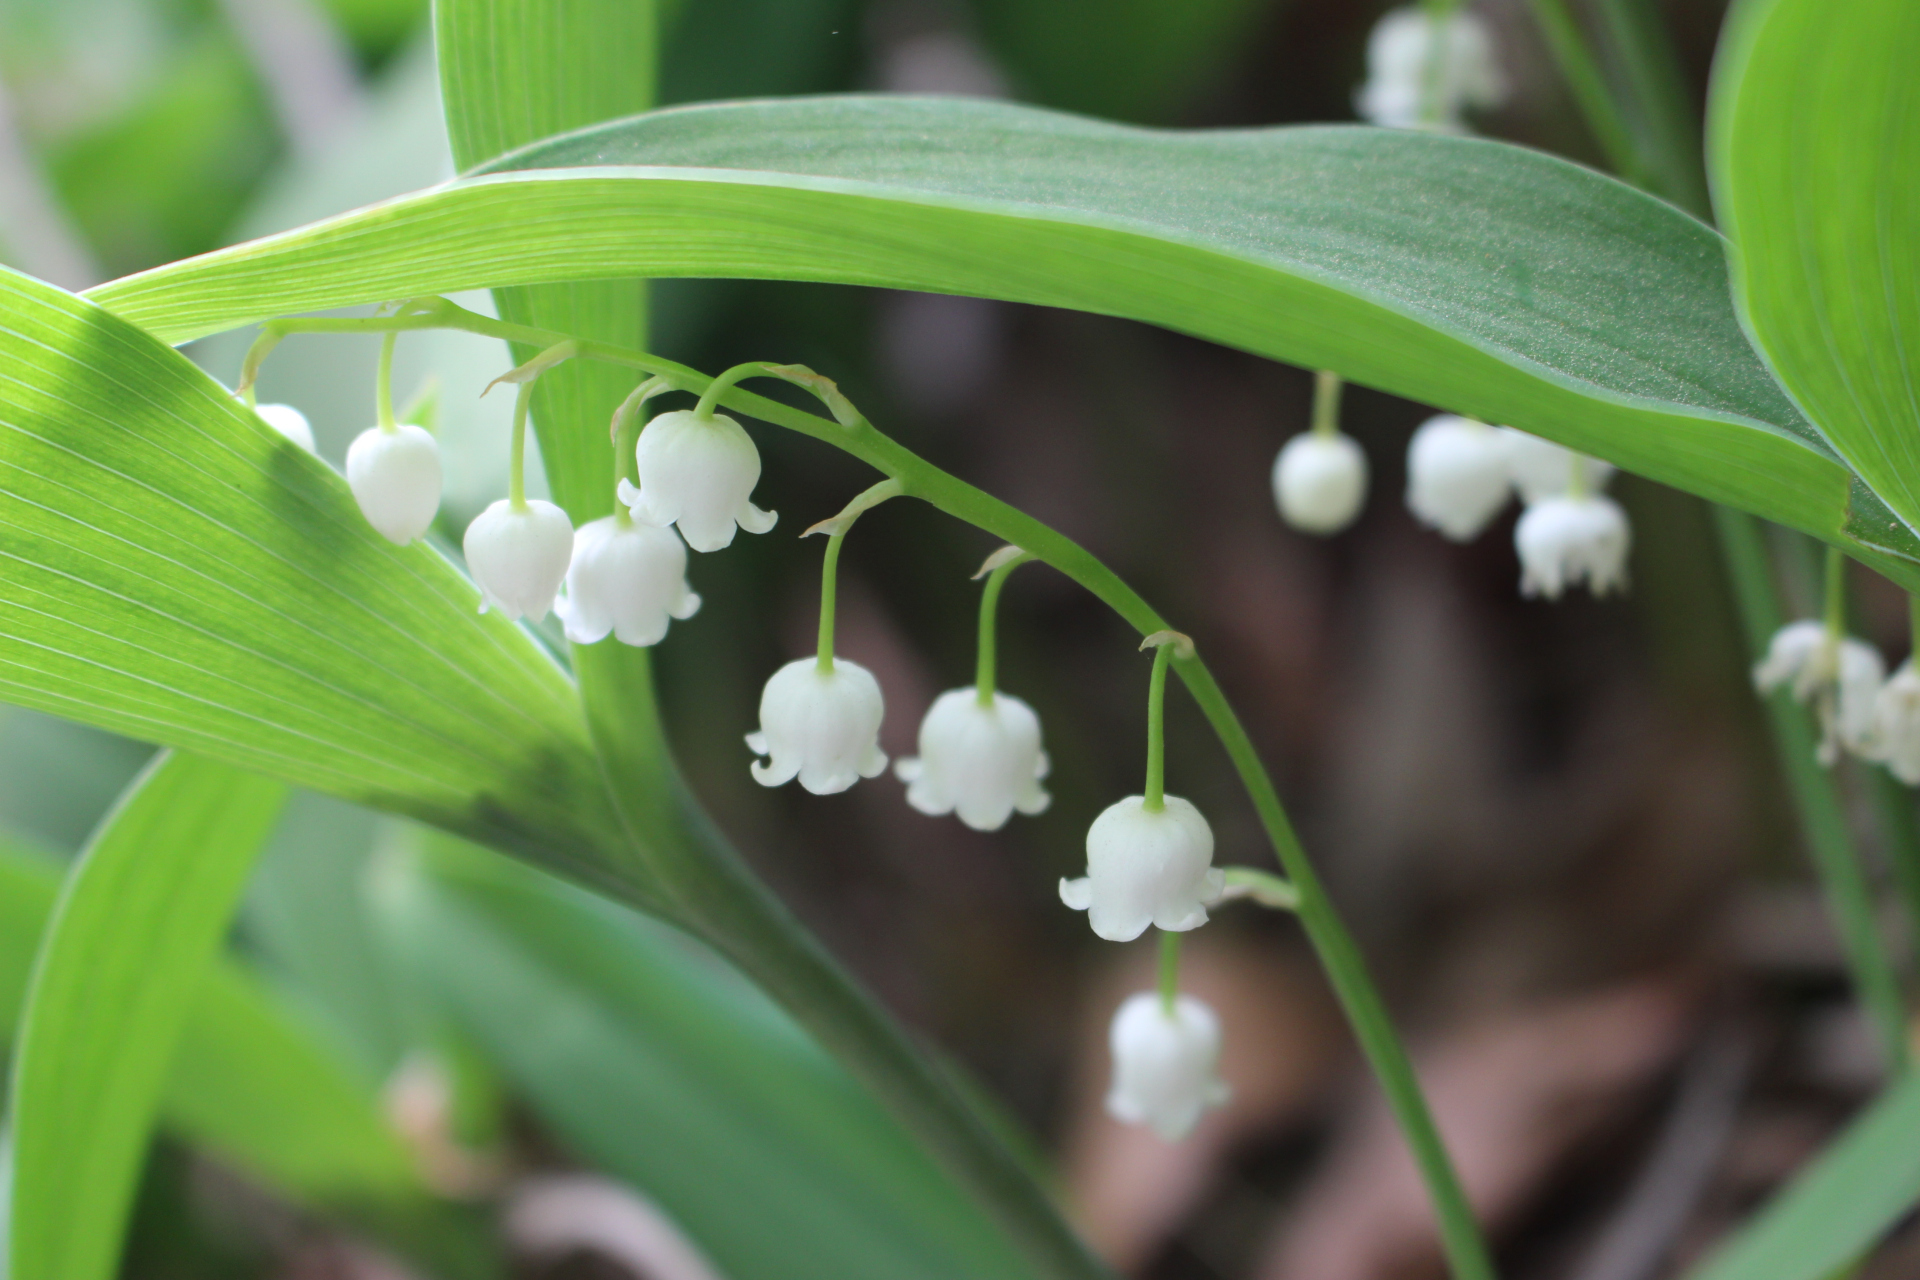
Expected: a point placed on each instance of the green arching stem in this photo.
(1156, 792)
(1169, 970)
(720, 385)
(1431, 71)
(1589, 85)
(829, 573)
(1577, 475)
(383, 384)
(1261, 887)
(1326, 403)
(1346, 970)
(983, 675)
(1835, 614)
(517, 462)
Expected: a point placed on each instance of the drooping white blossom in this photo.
(1320, 481)
(1896, 724)
(1839, 675)
(288, 421)
(1542, 469)
(698, 473)
(1566, 540)
(978, 762)
(821, 727)
(1165, 1065)
(1146, 868)
(626, 579)
(395, 477)
(1457, 476)
(1401, 55)
(518, 556)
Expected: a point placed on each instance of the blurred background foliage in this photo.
(1554, 825)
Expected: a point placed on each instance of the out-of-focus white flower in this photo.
(626, 579)
(1457, 478)
(288, 421)
(1398, 62)
(979, 762)
(1564, 541)
(822, 727)
(1896, 724)
(1839, 675)
(1164, 1065)
(697, 473)
(395, 477)
(1319, 481)
(518, 556)
(1542, 469)
(1146, 868)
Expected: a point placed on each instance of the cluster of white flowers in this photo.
(1859, 708)
(1424, 72)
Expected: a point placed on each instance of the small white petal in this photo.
(1541, 469)
(1843, 679)
(822, 728)
(289, 422)
(1320, 482)
(395, 477)
(1456, 475)
(980, 763)
(518, 557)
(1797, 654)
(1147, 867)
(1564, 541)
(627, 581)
(698, 473)
(1164, 1065)
(1862, 674)
(1399, 62)
(1896, 724)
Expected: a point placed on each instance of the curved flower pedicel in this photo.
(394, 468)
(1165, 1063)
(1149, 857)
(820, 716)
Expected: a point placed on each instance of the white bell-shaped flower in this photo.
(1320, 481)
(1456, 475)
(822, 727)
(1839, 675)
(395, 477)
(1896, 724)
(626, 579)
(1566, 540)
(288, 421)
(1165, 1066)
(979, 762)
(518, 556)
(1398, 58)
(1541, 469)
(1146, 868)
(697, 473)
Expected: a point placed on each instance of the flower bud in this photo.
(1565, 541)
(395, 477)
(627, 580)
(979, 762)
(1398, 63)
(1146, 868)
(517, 557)
(1542, 469)
(1319, 482)
(1896, 724)
(1841, 676)
(697, 473)
(1164, 1065)
(1456, 475)
(822, 727)
(288, 421)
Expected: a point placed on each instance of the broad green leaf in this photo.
(648, 1057)
(1815, 150)
(138, 920)
(1483, 277)
(1837, 1208)
(175, 571)
(251, 1085)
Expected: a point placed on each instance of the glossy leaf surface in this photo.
(1475, 275)
(1815, 147)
